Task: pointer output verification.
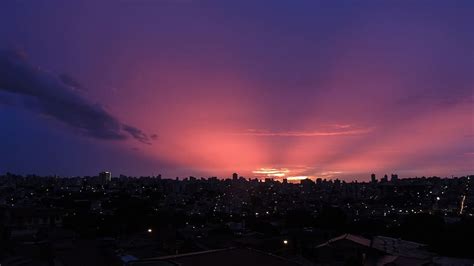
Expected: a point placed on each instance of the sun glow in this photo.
(279, 174)
(271, 172)
(297, 178)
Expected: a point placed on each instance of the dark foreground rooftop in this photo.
(228, 257)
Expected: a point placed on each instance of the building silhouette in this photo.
(394, 178)
(105, 177)
(373, 178)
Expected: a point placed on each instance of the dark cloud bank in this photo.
(59, 97)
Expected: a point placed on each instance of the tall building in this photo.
(105, 177)
(394, 178)
(235, 176)
(373, 179)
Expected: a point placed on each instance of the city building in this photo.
(105, 177)
(394, 178)
(373, 178)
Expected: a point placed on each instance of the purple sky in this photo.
(185, 87)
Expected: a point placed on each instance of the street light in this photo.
(285, 242)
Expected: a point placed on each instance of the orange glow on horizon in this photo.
(280, 174)
(296, 178)
(271, 172)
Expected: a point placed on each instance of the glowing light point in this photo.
(285, 242)
(150, 230)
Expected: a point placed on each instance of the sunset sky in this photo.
(207, 88)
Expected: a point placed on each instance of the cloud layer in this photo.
(58, 97)
(339, 130)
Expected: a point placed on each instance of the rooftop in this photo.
(229, 257)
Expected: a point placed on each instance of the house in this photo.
(228, 257)
(351, 249)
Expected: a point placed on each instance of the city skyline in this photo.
(186, 88)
